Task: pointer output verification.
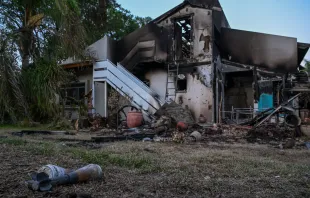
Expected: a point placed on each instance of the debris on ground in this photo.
(288, 144)
(196, 136)
(177, 112)
(61, 124)
(178, 136)
(181, 126)
(235, 130)
(147, 139)
(50, 176)
(28, 123)
(163, 121)
(135, 137)
(97, 122)
(38, 132)
(305, 129)
(270, 132)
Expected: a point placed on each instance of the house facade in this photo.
(189, 55)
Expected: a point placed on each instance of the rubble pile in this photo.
(176, 112)
(270, 132)
(235, 130)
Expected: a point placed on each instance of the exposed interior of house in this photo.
(191, 55)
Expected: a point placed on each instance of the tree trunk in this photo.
(26, 45)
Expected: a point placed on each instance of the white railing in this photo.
(140, 83)
(127, 85)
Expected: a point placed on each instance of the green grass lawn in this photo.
(137, 169)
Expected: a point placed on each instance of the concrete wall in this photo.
(158, 81)
(198, 96)
(202, 31)
(102, 49)
(85, 75)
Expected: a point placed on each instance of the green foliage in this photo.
(116, 22)
(41, 82)
(12, 103)
(307, 65)
(33, 34)
(39, 35)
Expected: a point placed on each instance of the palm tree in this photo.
(34, 23)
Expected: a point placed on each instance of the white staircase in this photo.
(140, 95)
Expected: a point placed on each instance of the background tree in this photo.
(12, 102)
(38, 35)
(307, 65)
(116, 21)
(35, 23)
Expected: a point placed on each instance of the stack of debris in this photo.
(270, 132)
(176, 112)
(169, 116)
(235, 130)
(173, 121)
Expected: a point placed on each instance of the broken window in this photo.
(183, 38)
(74, 93)
(181, 83)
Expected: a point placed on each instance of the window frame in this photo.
(69, 103)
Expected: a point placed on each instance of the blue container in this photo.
(265, 102)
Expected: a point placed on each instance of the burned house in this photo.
(190, 55)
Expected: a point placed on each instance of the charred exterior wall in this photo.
(239, 91)
(102, 49)
(198, 96)
(135, 47)
(272, 52)
(201, 32)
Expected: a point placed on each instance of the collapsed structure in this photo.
(191, 55)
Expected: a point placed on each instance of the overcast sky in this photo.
(280, 17)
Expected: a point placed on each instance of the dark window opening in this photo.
(181, 83)
(74, 93)
(183, 38)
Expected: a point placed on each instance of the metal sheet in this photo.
(276, 53)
